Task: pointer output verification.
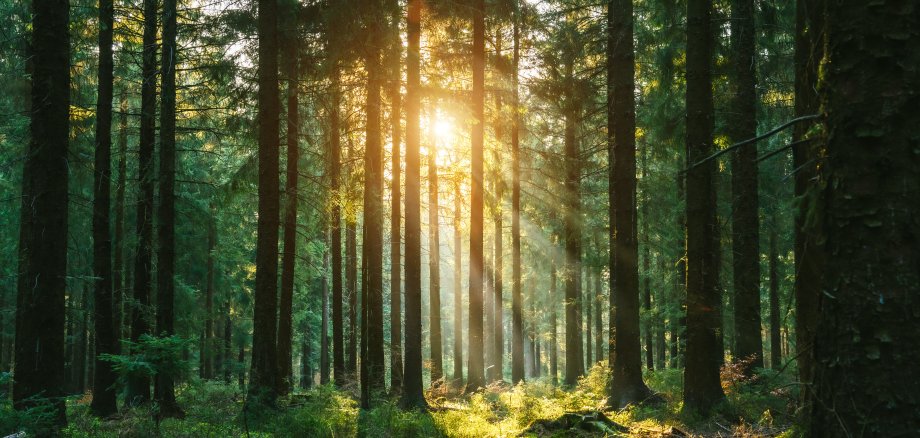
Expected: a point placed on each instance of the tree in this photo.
(164, 390)
(702, 389)
(745, 221)
(39, 344)
(104, 396)
(458, 299)
(412, 396)
(434, 264)
(809, 242)
(626, 386)
(335, 232)
(263, 375)
(396, 362)
(870, 287)
(475, 375)
(288, 262)
(139, 385)
(517, 320)
(373, 215)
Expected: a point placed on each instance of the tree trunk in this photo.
(138, 385)
(306, 370)
(598, 324)
(517, 321)
(373, 221)
(496, 372)
(625, 353)
(289, 257)
(228, 345)
(119, 267)
(553, 334)
(104, 403)
(396, 361)
(263, 376)
(458, 294)
(574, 359)
(351, 285)
(809, 242)
(476, 376)
(745, 220)
(434, 262)
(412, 396)
(324, 326)
(702, 389)
(164, 392)
(868, 323)
(207, 347)
(589, 329)
(776, 349)
(339, 366)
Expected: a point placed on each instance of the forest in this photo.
(459, 218)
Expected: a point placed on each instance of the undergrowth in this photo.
(765, 404)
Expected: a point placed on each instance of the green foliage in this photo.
(153, 356)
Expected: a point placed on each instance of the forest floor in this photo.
(765, 405)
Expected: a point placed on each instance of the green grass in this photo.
(765, 404)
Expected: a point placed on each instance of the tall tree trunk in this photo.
(554, 303)
(228, 344)
(458, 294)
(498, 338)
(306, 370)
(351, 285)
(488, 308)
(659, 318)
(476, 376)
(598, 324)
(324, 324)
(647, 282)
(868, 326)
(263, 376)
(139, 385)
(339, 366)
(412, 396)
(104, 403)
(164, 392)
(396, 362)
(289, 257)
(434, 262)
(678, 325)
(702, 389)
(809, 242)
(373, 219)
(119, 267)
(625, 353)
(776, 349)
(517, 321)
(745, 218)
(589, 329)
(574, 359)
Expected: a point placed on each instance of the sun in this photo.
(443, 129)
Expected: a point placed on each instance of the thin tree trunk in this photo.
(396, 362)
(476, 376)
(434, 263)
(517, 321)
(289, 257)
(207, 347)
(458, 293)
(574, 359)
(339, 366)
(324, 326)
(589, 329)
(119, 267)
(776, 349)
(498, 339)
(373, 221)
(598, 324)
(702, 389)
(228, 345)
(553, 334)
(104, 403)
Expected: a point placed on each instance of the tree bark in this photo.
(164, 391)
(574, 357)
(554, 330)
(627, 386)
(702, 389)
(476, 376)
(396, 361)
(138, 385)
(263, 376)
(517, 321)
(119, 267)
(412, 396)
(339, 366)
(776, 348)
(434, 263)
(458, 293)
(104, 403)
(868, 322)
(289, 257)
(745, 218)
